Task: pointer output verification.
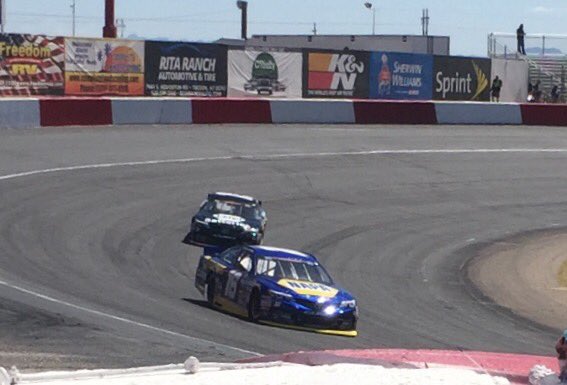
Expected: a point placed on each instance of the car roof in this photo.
(278, 252)
(237, 197)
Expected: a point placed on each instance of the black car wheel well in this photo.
(210, 282)
(252, 302)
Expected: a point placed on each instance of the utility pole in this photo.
(425, 22)
(314, 29)
(121, 26)
(243, 6)
(2, 15)
(109, 29)
(73, 7)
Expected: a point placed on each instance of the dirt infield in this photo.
(522, 274)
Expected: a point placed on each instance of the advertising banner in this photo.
(336, 74)
(31, 65)
(104, 67)
(401, 76)
(461, 78)
(185, 69)
(253, 73)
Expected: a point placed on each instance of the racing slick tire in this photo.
(210, 290)
(254, 307)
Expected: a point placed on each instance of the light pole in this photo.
(243, 6)
(371, 7)
(73, 6)
(121, 25)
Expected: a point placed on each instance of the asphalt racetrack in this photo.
(93, 272)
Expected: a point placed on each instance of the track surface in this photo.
(394, 228)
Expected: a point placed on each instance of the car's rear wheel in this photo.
(211, 291)
(254, 307)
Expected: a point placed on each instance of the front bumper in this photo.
(291, 314)
(343, 333)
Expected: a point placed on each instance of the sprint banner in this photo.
(104, 67)
(31, 65)
(336, 74)
(461, 78)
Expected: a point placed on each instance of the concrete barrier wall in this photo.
(312, 111)
(477, 113)
(19, 113)
(30, 113)
(222, 110)
(151, 111)
(75, 112)
(544, 114)
(391, 112)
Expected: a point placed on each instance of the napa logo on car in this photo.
(308, 288)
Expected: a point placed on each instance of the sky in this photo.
(466, 22)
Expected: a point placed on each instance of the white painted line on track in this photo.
(284, 156)
(124, 320)
(237, 157)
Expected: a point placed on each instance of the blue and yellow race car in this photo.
(276, 286)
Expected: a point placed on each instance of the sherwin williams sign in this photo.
(254, 73)
(104, 67)
(335, 74)
(31, 65)
(401, 76)
(461, 78)
(185, 69)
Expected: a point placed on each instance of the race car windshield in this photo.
(289, 269)
(243, 210)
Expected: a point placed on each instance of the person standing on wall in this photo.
(495, 89)
(520, 35)
(555, 94)
(536, 92)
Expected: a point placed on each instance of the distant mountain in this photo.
(134, 36)
(548, 51)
